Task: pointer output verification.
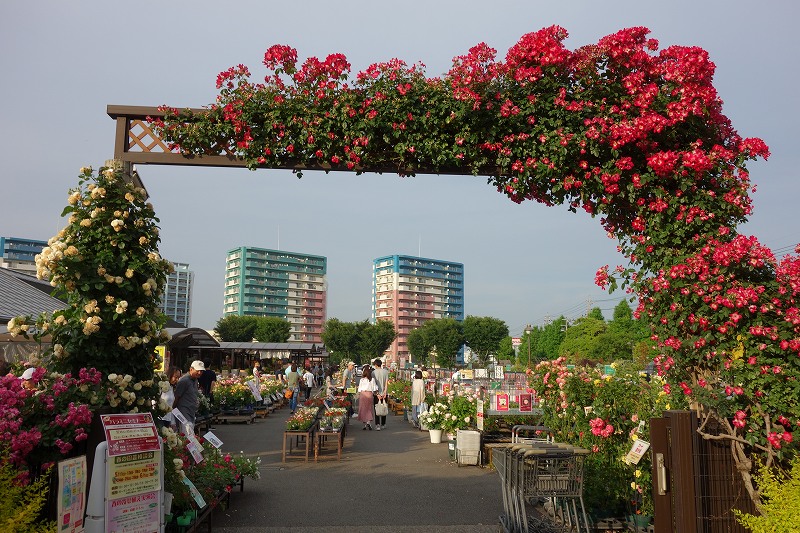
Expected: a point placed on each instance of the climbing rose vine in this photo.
(626, 132)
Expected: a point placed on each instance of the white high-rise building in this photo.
(176, 302)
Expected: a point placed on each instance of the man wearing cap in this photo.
(187, 399)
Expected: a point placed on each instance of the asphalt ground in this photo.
(387, 481)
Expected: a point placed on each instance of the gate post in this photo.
(683, 425)
(662, 482)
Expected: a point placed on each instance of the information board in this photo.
(130, 433)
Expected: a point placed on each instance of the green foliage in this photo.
(419, 344)
(446, 338)
(341, 339)
(272, 329)
(548, 343)
(505, 349)
(597, 314)
(357, 341)
(483, 336)
(235, 328)
(581, 340)
(21, 504)
(780, 500)
(375, 339)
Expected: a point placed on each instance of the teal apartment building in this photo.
(288, 285)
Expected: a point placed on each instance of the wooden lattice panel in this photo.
(142, 138)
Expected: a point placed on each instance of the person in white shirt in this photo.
(381, 376)
(366, 388)
(308, 377)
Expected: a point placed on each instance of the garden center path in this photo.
(389, 481)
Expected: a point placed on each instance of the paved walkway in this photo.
(389, 481)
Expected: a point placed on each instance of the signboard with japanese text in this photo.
(131, 474)
(501, 401)
(637, 451)
(480, 414)
(71, 494)
(135, 514)
(130, 433)
(525, 402)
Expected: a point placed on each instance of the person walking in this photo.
(330, 387)
(349, 382)
(187, 393)
(207, 381)
(366, 390)
(381, 376)
(168, 396)
(293, 384)
(308, 377)
(417, 396)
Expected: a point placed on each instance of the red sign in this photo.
(130, 433)
(501, 401)
(525, 402)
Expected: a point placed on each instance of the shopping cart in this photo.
(542, 484)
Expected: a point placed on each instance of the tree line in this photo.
(587, 340)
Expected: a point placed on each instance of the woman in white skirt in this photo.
(366, 406)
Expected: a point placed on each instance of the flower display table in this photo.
(322, 438)
(396, 407)
(245, 416)
(296, 438)
(205, 515)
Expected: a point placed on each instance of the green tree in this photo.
(547, 344)
(272, 329)
(596, 313)
(483, 336)
(341, 340)
(374, 339)
(447, 337)
(419, 344)
(622, 334)
(505, 350)
(235, 328)
(581, 340)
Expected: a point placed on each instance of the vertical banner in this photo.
(480, 413)
(71, 494)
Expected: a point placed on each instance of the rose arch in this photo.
(628, 133)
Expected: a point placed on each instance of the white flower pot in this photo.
(436, 435)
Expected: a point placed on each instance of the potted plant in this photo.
(434, 420)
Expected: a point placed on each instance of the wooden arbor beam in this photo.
(137, 143)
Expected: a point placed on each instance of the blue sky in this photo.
(63, 62)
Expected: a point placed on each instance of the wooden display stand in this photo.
(294, 438)
(322, 439)
(396, 407)
(236, 418)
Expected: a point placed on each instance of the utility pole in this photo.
(528, 331)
